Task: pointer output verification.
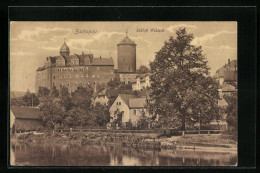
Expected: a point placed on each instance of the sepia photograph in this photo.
(139, 93)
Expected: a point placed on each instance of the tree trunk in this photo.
(183, 123)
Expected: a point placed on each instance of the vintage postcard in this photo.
(123, 93)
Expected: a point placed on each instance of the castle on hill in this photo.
(85, 69)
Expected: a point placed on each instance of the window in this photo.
(86, 68)
(118, 103)
(86, 75)
(81, 69)
(93, 76)
(68, 84)
(115, 112)
(75, 69)
(70, 69)
(123, 113)
(54, 77)
(135, 112)
(65, 69)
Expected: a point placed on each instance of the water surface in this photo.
(40, 154)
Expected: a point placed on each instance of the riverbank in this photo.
(205, 142)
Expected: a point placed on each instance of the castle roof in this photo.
(83, 57)
(64, 48)
(40, 68)
(127, 41)
(103, 61)
(69, 58)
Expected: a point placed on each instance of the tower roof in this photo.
(64, 48)
(127, 41)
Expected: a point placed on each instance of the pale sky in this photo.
(32, 42)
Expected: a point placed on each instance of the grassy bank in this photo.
(152, 141)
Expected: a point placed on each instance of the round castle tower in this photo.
(126, 55)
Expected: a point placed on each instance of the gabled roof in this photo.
(103, 61)
(127, 41)
(26, 113)
(228, 71)
(137, 102)
(53, 60)
(87, 57)
(126, 98)
(69, 58)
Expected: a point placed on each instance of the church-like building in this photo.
(81, 70)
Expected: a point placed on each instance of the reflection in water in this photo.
(98, 155)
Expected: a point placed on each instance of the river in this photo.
(42, 154)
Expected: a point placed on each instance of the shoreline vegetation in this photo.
(203, 142)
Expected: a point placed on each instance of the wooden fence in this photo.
(157, 131)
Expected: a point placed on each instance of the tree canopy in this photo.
(143, 69)
(182, 92)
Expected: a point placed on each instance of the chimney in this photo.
(228, 61)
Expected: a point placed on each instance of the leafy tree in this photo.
(30, 99)
(54, 92)
(64, 92)
(231, 111)
(100, 87)
(75, 117)
(101, 114)
(53, 114)
(143, 69)
(143, 122)
(43, 91)
(82, 97)
(181, 86)
(115, 83)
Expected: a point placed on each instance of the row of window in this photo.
(73, 84)
(75, 69)
(75, 76)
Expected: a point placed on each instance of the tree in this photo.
(115, 83)
(53, 114)
(143, 69)
(54, 92)
(231, 111)
(81, 97)
(100, 87)
(43, 91)
(101, 114)
(181, 86)
(30, 99)
(64, 92)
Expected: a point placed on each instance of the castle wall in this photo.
(72, 77)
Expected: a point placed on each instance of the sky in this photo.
(32, 42)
